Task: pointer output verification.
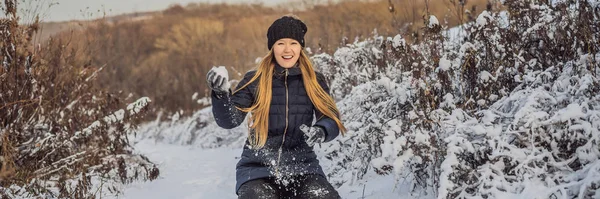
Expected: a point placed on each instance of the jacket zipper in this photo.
(286, 125)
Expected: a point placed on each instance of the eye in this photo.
(280, 43)
(294, 43)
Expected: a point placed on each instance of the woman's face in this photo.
(287, 52)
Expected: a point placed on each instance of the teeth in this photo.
(287, 57)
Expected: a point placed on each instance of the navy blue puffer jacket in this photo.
(285, 153)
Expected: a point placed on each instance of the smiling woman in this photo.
(284, 95)
(291, 41)
(287, 52)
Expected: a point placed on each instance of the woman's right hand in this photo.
(217, 80)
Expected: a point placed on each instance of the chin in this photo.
(287, 65)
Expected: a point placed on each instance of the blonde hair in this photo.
(259, 121)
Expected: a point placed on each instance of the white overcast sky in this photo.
(62, 10)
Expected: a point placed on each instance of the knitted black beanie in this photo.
(286, 27)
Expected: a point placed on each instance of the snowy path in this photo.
(189, 172)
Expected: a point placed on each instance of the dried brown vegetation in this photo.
(167, 56)
(59, 132)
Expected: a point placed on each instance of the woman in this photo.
(284, 94)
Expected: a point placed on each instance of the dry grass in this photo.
(166, 57)
(48, 145)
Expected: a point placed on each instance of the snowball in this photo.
(222, 71)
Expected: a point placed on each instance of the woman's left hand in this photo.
(313, 134)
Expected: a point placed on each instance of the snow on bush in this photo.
(512, 110)
(199, 130)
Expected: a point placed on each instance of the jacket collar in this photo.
(295, 70)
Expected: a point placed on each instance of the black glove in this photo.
(313, 134)
(217, 80)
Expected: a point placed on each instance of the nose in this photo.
(287, 48)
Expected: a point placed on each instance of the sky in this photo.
(64, 10)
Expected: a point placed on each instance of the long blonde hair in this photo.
(259, 121)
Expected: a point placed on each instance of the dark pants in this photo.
(305, 186)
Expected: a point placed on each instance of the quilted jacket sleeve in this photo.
(224, 107)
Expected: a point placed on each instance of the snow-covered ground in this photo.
(186, 172)
(192, 172)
